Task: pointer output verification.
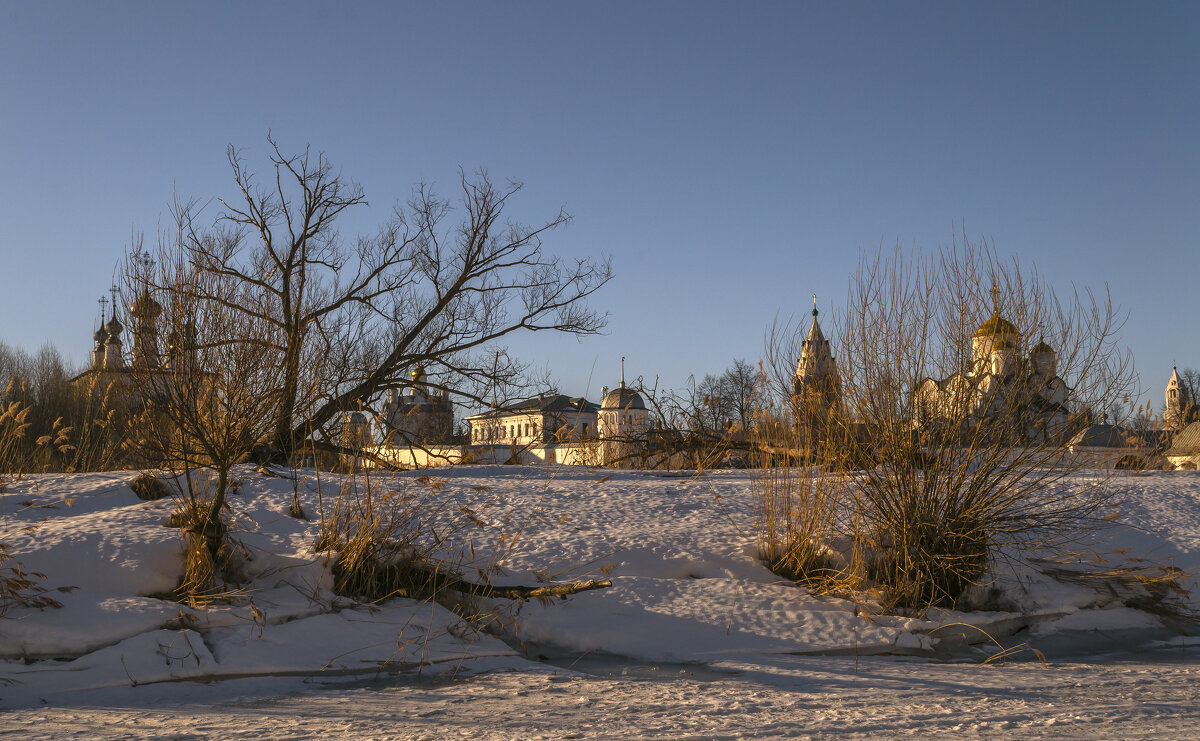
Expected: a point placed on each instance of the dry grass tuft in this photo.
(211, 561)
(149, 487)
(378, 539)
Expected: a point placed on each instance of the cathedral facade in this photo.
(422, 416)
(1000, 382)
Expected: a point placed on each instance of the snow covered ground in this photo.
(695, 637)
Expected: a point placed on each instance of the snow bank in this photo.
(687, 585)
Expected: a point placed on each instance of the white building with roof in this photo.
(540, 420)
(1185, 448)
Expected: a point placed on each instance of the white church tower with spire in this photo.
(1181, 408)
(816, 386)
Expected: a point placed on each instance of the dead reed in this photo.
(382, 540)
(798, 513)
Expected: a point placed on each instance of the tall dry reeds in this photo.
(801, 521)
(18, 456)
(84, 434)
(381, 539)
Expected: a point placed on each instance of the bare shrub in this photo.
(799, 512)
(201, 403)
(950, 439)
(970, 437)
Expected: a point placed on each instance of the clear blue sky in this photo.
(732, 158)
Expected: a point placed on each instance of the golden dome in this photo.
(1042, 347)
(997, 325)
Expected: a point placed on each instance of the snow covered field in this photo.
(695, 638)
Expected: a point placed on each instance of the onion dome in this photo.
(114, 328)
(996, 325)
(145, 308)
(100, 336)
(1041, 347)
(622, 398)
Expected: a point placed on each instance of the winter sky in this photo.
(732, 158)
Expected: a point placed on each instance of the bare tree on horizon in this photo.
(348, 323)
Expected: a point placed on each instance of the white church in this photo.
(998, 379)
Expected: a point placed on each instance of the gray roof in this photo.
(623, 398)
(1187, 440)
(545, 403)
(1116, 436)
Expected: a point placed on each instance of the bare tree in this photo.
(205, 397)
(741, 387)
(425, 290)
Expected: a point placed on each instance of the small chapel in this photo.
(998, 380)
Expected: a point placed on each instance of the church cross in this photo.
(144, 260)
(103, 307)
